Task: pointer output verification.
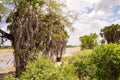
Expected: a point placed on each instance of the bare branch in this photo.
(6, 35)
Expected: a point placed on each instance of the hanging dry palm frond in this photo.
(36, 25)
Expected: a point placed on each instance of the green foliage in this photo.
(111, 33)
(44, 69)
(107, 61)
(102, 63)
(81, 61)
(39, 69)
(67, 72)
(85, 69)
(89, 41)
(9, 77)
(3, 8)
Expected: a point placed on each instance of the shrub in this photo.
(39, 69)
(67, 72)
(44, 69)
(81, 61)
(9, 77)
(107, 60)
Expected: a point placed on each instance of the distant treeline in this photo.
(71, 46)
(5, 47)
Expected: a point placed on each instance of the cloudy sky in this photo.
(93, 16)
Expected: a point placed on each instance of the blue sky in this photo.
(93, 16)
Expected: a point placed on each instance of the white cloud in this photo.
(116, 22)
(106, 5)
(94, 15)
(79, 5)
(94, 21)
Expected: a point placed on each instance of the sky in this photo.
(93, 15)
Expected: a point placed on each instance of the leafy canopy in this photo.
(111, 33)
(89, 41)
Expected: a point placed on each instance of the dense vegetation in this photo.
(89, 41)
(101, 63)
(107, 61)
(111, 33)
(45, 69)
(37, 27)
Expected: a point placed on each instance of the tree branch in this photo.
(6, 35)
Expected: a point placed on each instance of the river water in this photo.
(7, 59)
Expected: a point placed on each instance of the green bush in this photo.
(84, 68)
(107, 60)
(39, 69)
(44, 69)
(9, 77)
(67, 72)
(81, 62)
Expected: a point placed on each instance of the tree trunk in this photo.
(20, 63)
